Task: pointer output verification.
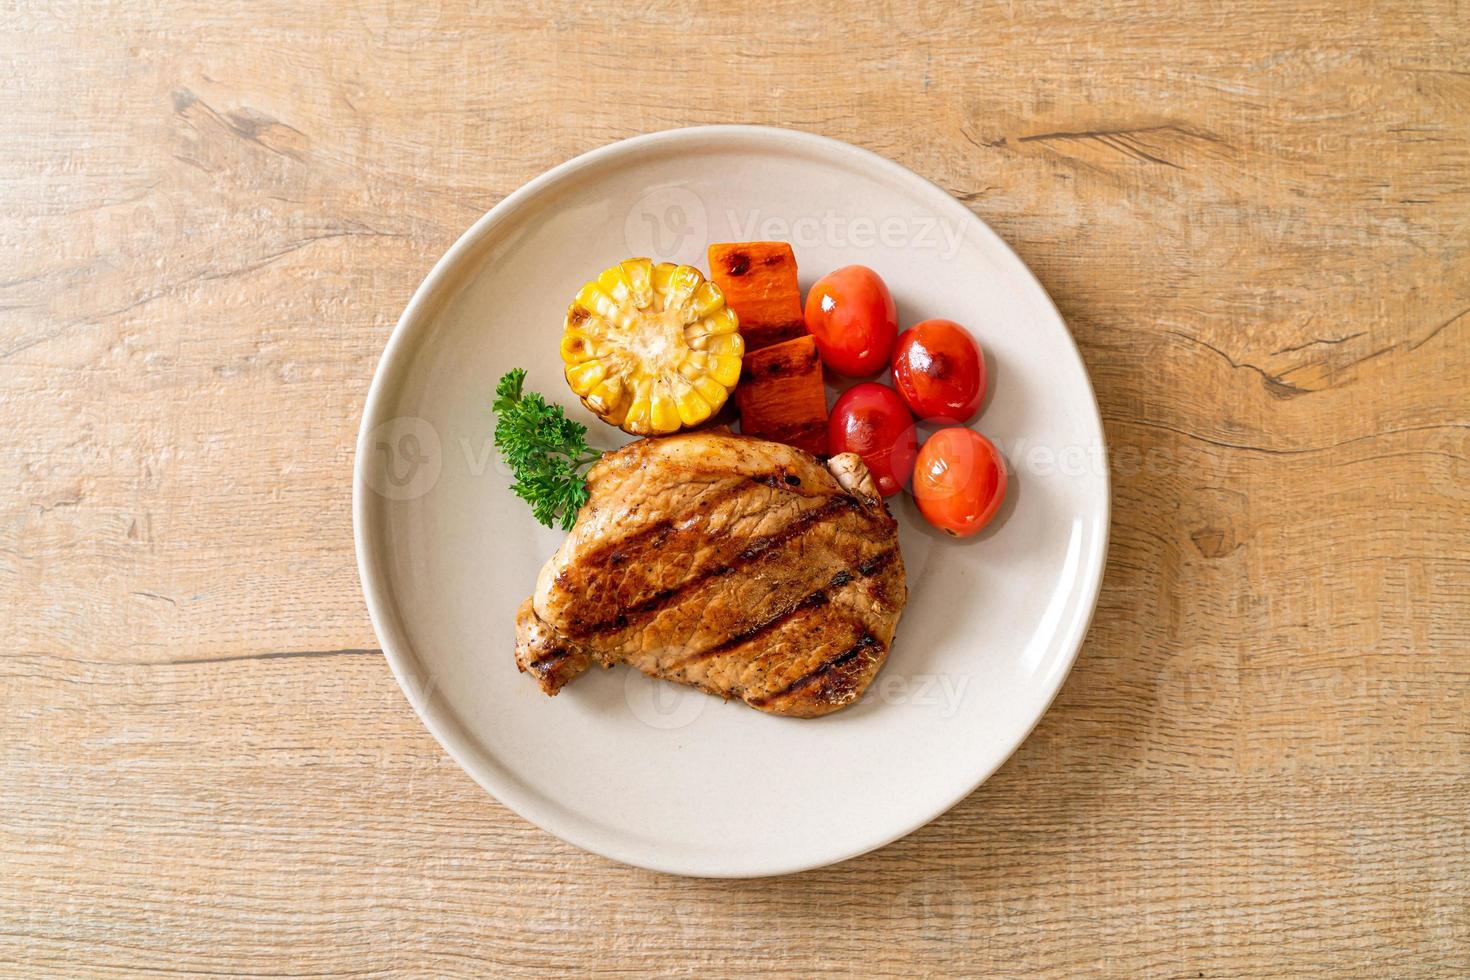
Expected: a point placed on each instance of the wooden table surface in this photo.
(1253, 216)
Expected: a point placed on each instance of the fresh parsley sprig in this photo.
(546, 452)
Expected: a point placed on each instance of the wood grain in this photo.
(1254, 217)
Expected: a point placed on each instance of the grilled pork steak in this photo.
(742, 567)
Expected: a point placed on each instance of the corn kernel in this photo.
(586, 376)
(651, 348)
(713, 392)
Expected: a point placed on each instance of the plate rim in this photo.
(449, 732)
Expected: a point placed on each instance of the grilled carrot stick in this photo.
(759, 283)
(781, 396)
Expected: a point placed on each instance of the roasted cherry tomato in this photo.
(939, 371)
(852, 317)
(872, 421)
(959, 481)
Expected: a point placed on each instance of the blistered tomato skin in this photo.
(940, 372)
(871, 420)
(851, 314)
(959, 481)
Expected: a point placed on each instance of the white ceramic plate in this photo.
(650, 773)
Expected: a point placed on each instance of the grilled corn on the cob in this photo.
(651, 348)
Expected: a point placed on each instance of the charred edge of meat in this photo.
(554, 667)
(552, 658)
(759, 548)
(837, 684)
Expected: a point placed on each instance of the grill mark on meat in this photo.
(877, 563)
(776, 598)
(865, 642)
(549, 660)
(815, 600)
(655, 535)
(779, 480)
(835, 506)
(652, 536)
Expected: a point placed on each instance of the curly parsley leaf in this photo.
(546, 452)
